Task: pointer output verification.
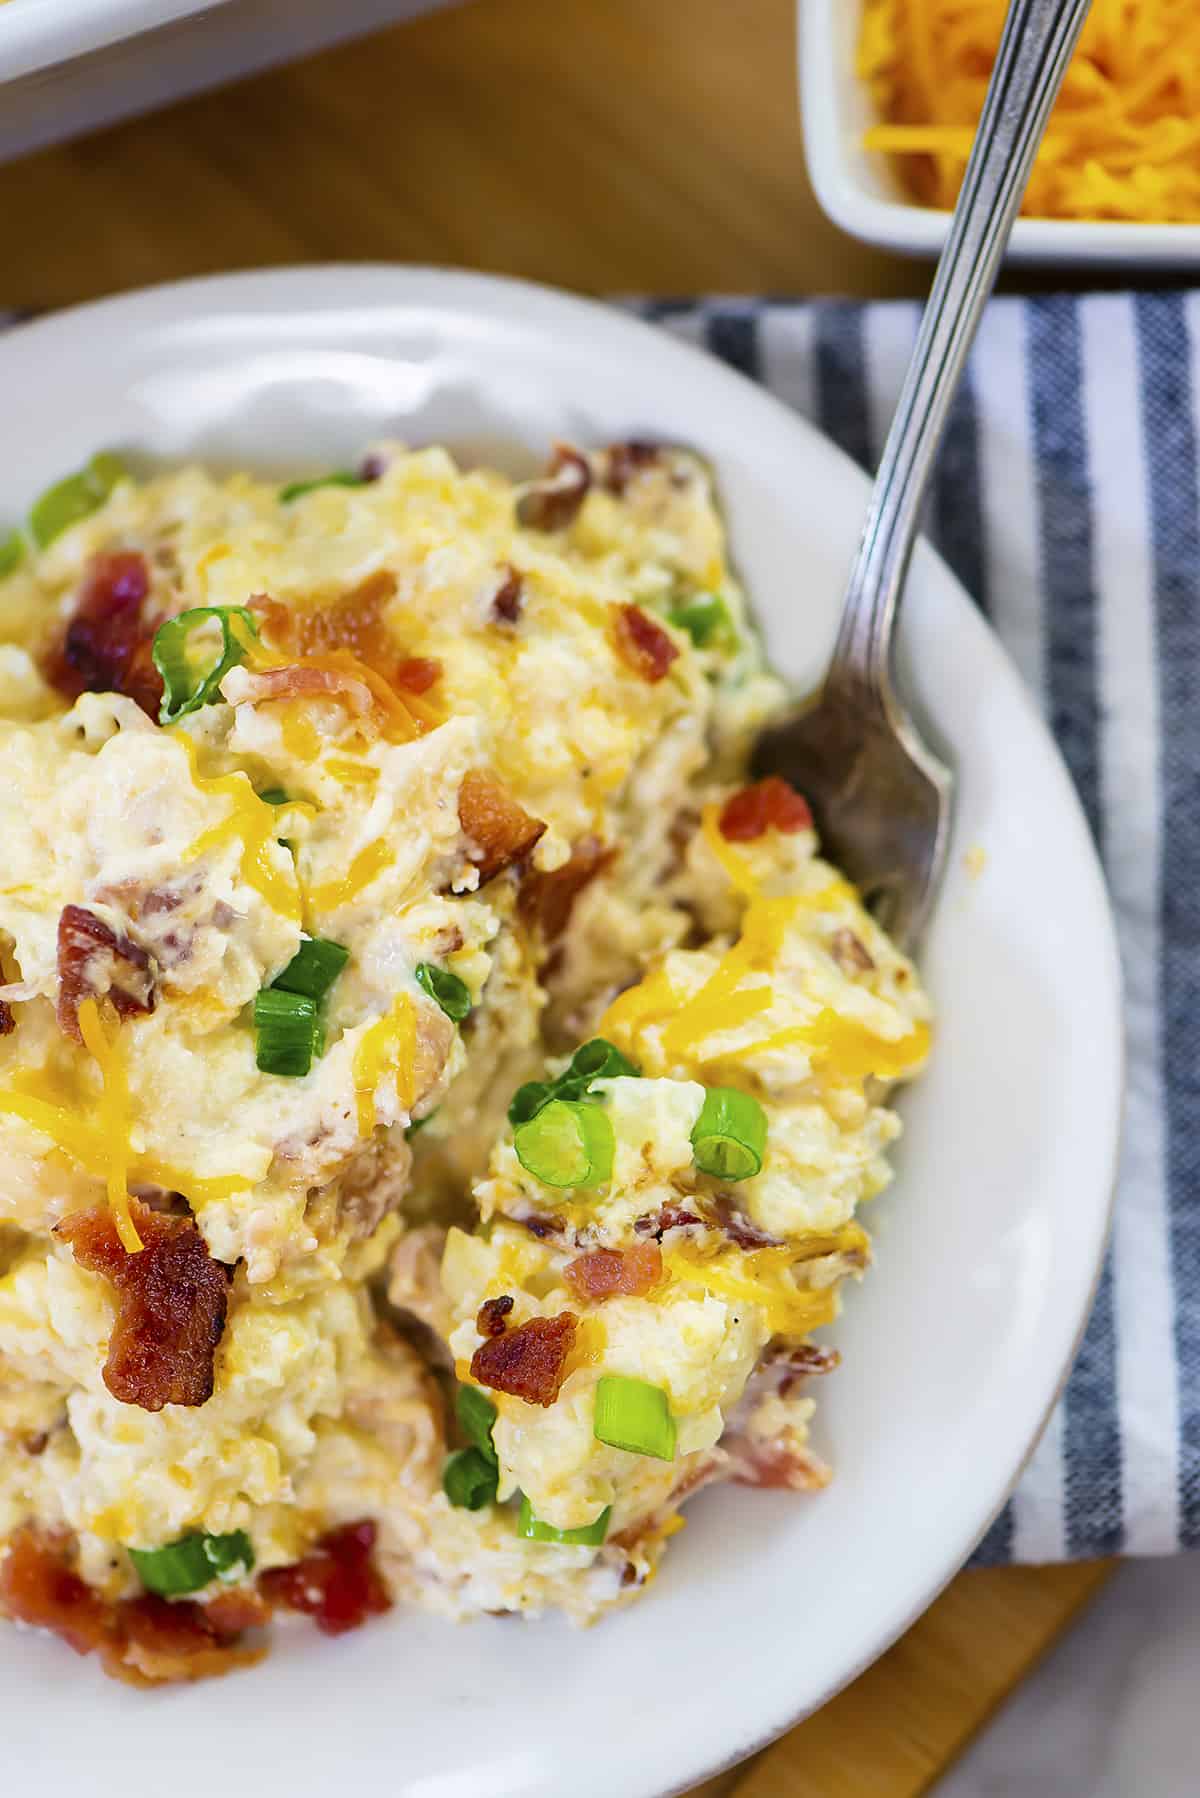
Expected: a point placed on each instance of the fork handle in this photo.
(1039, 37)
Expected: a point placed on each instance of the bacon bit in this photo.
(38, 1587)
(804, 1362)
(553, 503)
(95, 963)
(773, 1466)
(171, 1305)
(769, 804)
(541, 1226)
(296, 680)
(547, 900)
(105, 644)
(739, 1228)
(529, 1362)
(671, 1216)
(338, 1585)
(143, 1641)
(492, 1316)
(501, 829)
(622, 461)
(643, 644)
(508, 600)
(601, 1273)
(8, 1022)
(850, 953)
(353, 621)
(241, 1608)
(160, 1643)
(416, 674)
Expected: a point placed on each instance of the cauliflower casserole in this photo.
(436, 1087)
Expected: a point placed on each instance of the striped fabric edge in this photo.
(1070, 469)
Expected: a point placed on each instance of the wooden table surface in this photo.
(613, 146)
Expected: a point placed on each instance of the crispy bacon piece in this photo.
(338, 1584)
(622, 461)
(38, 1587)
(774, 1466)
(295, 680)
(553, 503)
(530, 1361)
(539, 1224)
(160, 1643)
(739, 1228)
(602, 1273)
(671, 1216)
(501, 830)
(508, 599)
(492, 1316)
(769, 804)
(416, 674)
(850, 953)
(172, 1298)
(805, 1361)
(547, 900)
(352, 621)
(144, 1641)
(643, 644)
(7, 1021)
(105, 645)
(95, 963)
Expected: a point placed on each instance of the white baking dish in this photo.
(859, 191)
(69, 65)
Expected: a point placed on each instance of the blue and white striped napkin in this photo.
(1067, 502)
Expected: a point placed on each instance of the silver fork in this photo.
(880, 797)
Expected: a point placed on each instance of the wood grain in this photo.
(611, 146)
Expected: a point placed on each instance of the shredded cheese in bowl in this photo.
(1123, 141)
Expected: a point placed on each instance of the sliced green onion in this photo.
(589, 1535)
(707, 621)
(634, 1415)
(446, 989)
(420, 1123)
(193, 1562)
(76, 497)
(469, 1479)
(313, 969)
(476, 1414)
(274, 796)
(597, 1059)
(341, 477)
(287, 1032)
(189, 680)
(729, 1136)
(528, 1100)
(12, 552)
(567, 1143)
(231, 1556)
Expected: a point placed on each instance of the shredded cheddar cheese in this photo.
(1123, 140)
(762, 1278)
(367, 865)
(388, 1047)
(113, 1115)
(256, 823)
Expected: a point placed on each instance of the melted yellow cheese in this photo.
(388, 1047)
(762, 1278)
(113, 1116)
(253, 821)
(366, 866)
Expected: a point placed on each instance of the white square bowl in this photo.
(859, 191)
(68, 66)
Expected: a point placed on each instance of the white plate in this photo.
(859, 190)
(988, 1243)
